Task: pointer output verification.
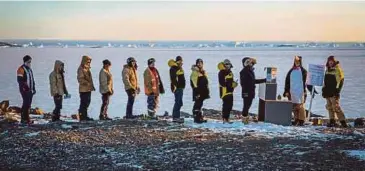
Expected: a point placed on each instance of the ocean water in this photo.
(352, 61)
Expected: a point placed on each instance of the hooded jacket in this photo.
(57, 80)
(304, 77)
(199, 83)
(177, 76)
(152, 82)
(248, 82)
(84, 76)
(106, 81)
(226, 81)
(130, 79)
(333, 80)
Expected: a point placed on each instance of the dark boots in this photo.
(344, 124)
(104, 117)
(198, 117)
(298, 122)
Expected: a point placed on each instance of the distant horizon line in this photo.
(37, 39)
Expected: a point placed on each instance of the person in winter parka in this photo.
(248, 82)
(58, 88)
(153, 87)
(333, 83)
(178, 83)
(26, 87)
(200, 85)
(226, 88)
(131, 86)
(296, 90)
(106, 89)
(86, 86)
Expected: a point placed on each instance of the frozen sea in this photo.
(352, 61)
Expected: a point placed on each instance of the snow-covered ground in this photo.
(261, 129)
(359, 154)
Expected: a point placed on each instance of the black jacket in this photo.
(177, 78)
(248, 82)
(199, 84)
(333, 82)
(225, 83)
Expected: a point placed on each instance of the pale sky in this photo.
(236, 21)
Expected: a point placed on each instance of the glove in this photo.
(138, 90)
(234, 84)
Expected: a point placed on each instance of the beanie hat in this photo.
(178, 58)
(130, 60)
(198, 60)
(26, 58)
(150, 61)
(106, 62)
(245, 61)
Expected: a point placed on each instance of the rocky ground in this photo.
(162, 145)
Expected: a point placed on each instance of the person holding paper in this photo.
(295, 90)
(333, 83)
(58, 88)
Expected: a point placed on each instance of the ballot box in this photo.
(272, 110)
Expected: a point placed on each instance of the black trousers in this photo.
(27, 103)
(247, 102)
(198, 104)
(104, 107)
(58, 105)
(85, 99)
(227, 106)
(130, 103)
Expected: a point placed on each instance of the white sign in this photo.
(315, 75)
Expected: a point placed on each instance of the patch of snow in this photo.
(69, 120)
(261, 129)
(36, 116)
(65, 126)
(32, 134)
(359, 154)
(40, 121)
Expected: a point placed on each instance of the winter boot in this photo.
(332, 123)
(245, 119)
(295, 122)
(104, 117)
(255, 119)
(201, 117)
(55, 118)
(300, 123)
(226, 120)
(178, 120)
(344, 124)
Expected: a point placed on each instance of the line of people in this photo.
(295, 88)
